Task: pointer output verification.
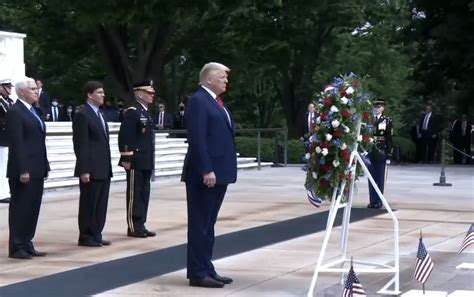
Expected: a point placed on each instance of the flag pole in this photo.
(421, 237)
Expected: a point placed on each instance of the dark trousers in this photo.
(23, 213)
(377, 170)
(428, 148)
(138, 196)
(203, 207)
(418, 150)
(93, 202)
(464, 145)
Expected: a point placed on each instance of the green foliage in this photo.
(247, 147)
(296, 152)
(405, 147)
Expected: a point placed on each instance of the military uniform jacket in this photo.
(136, 138)
(382, 149)
(5, 104)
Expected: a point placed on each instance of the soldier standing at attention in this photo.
(5, 103)
(137, 157)
(381, 153)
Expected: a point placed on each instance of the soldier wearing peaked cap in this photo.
(5, 103)
(137, 157)
(381, 153)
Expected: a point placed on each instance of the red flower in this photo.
(337, 133)
(323, 183)
(311, 149)
(349, 176)
(372, 121)
(365, 116)
(325, 144)
(327, 101)
(324, 116)
(342, 176)
(356, 83)
(346, 155)
(366, 138)
(327, 167)
(346, 114)
(343, 93)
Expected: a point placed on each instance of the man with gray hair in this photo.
(210, 165)
(27, 168)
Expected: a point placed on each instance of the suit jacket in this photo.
(136, 138)
(456, 133)
(433, 125)
(62, 116)
(27, 148)
(45, 102)
(210, 139)
(91, 144)
(167, 120)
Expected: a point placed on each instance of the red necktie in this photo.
(219, 101)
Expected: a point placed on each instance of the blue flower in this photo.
(338, 82)
(313, 138)
(352, 75)
(322, 161)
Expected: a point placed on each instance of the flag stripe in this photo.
(468, 240)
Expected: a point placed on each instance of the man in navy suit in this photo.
(210, 165)
(27, 168)
(90, 136)
(430, 125)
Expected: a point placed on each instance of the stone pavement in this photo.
(260, 198)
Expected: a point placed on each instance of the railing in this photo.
(258, 132)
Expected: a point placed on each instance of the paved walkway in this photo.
(260, 198)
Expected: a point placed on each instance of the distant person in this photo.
(163, 120)
(55, 113)
(460, 136)
(90, 135)
(44, 101)
(69, 113)
(28, 166)
(180, 118)
(111, 113)
(430, 125)
(415, 134)
(310, 119)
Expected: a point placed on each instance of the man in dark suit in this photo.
(163, 120)
(210, 165)
(44, 100)
(460, 136)
(5, 103)
(27, 168)
(309, 120)
(180, 119)
(56, 113)
(90, 135)
(381, 154)
(137, 157)
(429, 123)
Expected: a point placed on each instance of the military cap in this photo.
(6, 82)
(146, 85)
(378, 103)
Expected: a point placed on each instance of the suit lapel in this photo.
(228, 119)
(41, 126)
(97, 121)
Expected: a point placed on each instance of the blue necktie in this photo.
(33, 111)
(102, 121)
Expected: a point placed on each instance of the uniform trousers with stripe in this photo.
(377, 170)
(138, 197)
(4, 187)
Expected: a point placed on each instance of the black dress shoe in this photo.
(150, 233)
(105, 242)
(20, 254)
(223, 279)
(378, 205)
(370, 205)
(207, 282)
(5, 200)
(36, 253)
(139, 234)
(89, 243)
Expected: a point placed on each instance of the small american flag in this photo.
(424, 264)
(352, 287)
(313, 199)
(468, 240)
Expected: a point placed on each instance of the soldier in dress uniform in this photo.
(137, 157)
(5, 103)
(381, 153)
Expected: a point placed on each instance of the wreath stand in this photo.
(338, 265)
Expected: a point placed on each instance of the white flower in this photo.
(325, 151)
(352, 110)
(371, 139)
(318, 150)
(334, 109)
(328, 137)
(343, 146)
(359, 138)
(344, 100)
(315, 175)
(335, 123)
(307, 156)
(349, 90)
(328, 88)
(335, 163)
(347, 129)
